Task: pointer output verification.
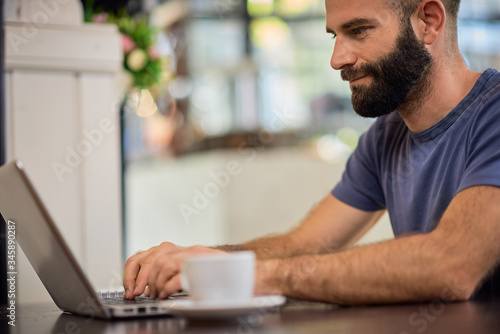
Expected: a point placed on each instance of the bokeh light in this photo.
(269, 32)
(260, 7)
(331, 149)
(142, 102)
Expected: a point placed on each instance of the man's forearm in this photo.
(268, 247)
(330, 226)
(446, 264)
(402, 270)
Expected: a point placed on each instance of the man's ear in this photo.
(431, 16)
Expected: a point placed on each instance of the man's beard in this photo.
(394, 76)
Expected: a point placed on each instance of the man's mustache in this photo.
(352, 73)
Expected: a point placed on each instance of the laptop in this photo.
(51, 257)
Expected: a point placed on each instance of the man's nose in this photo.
(342, 56)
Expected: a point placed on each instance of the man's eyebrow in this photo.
(358, 22)
(353, 23)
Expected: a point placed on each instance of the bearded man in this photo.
(431, 159)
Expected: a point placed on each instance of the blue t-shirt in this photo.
(416, 175)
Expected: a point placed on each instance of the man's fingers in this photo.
(133, 274)
(173, 285)
(142, 279)
(129, 275)
(151, 282)
(162, 271)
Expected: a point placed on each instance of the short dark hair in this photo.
(405, 9)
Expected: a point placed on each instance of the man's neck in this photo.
(447, 87)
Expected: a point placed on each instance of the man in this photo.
(434, 164)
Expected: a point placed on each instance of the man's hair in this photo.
(405, 8)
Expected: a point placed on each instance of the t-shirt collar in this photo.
(446, 122)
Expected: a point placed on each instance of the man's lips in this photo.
(356, 79)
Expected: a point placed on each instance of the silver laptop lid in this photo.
(44, 246)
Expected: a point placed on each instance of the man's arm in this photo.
(446, 264)
(331, 226)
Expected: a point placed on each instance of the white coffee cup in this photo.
(219, 278)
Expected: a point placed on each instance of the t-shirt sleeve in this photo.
(360, 186)
(482, 165)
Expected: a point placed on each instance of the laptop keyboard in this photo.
(116, 298)
(121, 301)
(110, 294)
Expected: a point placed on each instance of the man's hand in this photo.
(138, 267)
(158, 268)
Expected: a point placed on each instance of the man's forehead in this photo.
(357, 4)
(344, 13)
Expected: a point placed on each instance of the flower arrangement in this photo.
(141, 59)
(145, 75)
(143, 66)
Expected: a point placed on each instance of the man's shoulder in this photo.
(490, 81)
(483, 108)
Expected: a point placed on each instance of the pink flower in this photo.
(153, 54)
(100, 18)
(127, 43)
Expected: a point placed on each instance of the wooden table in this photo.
(295, 317)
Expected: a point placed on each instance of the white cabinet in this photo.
(63, 123)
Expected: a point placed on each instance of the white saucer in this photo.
(209, 310)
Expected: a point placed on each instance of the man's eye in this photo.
(334, 36)
(359, 31)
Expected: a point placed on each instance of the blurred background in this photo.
(244, 83)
